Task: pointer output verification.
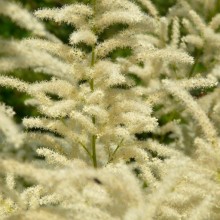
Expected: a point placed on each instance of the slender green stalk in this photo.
(81, 144)
(114, 152)
(94, 137)
(92, 64)
(94, 158)
(85, 148)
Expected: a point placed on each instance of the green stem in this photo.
(92, 64)
(93, 141)
(81, 144)
(94, 137)
(85, 148)
(116, 149)
(94, 158)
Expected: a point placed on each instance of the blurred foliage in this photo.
(163, 5)
(9, 29)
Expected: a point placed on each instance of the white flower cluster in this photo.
(134, 137)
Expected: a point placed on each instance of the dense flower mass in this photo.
(127, 124)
